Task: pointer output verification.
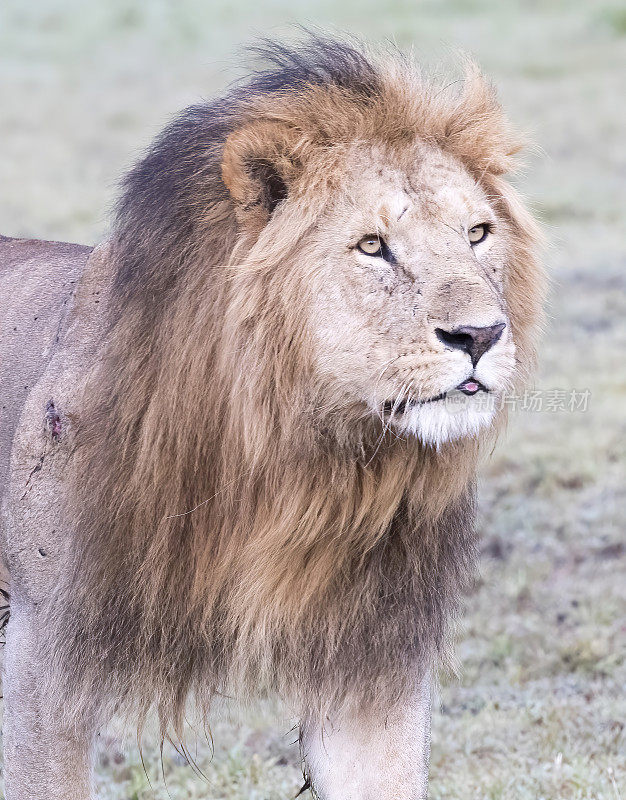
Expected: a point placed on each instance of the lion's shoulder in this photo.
(38, 294)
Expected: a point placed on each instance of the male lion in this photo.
(239, 440)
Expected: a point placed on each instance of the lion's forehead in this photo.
(426, 184)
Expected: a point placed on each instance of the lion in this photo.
(240, 437)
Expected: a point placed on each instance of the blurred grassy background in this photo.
(539, 708)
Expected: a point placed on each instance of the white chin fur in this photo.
(455, 417)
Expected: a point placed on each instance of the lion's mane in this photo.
(230, 534)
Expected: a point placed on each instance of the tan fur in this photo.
(240, 518)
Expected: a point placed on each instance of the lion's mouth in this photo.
(469, 387)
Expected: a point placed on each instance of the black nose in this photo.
(473, 341)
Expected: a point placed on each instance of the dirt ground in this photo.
(538, 707)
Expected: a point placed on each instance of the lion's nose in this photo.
(473, 341)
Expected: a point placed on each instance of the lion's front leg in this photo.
(380, 755)
(43, 759)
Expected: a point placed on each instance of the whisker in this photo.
(387, 425)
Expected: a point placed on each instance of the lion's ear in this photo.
(259, 165)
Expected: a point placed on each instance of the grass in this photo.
(539, 706)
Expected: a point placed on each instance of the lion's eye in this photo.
(478, 233)
(371, 245)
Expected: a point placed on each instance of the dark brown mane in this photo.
(219, 510)
(178, 185)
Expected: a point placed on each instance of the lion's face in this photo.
(407, 263)
(409, 314)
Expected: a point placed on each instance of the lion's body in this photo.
(49, 335)
(204, 493)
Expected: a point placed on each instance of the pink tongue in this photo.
(469, 386)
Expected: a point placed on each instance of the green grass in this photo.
(539, 706)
